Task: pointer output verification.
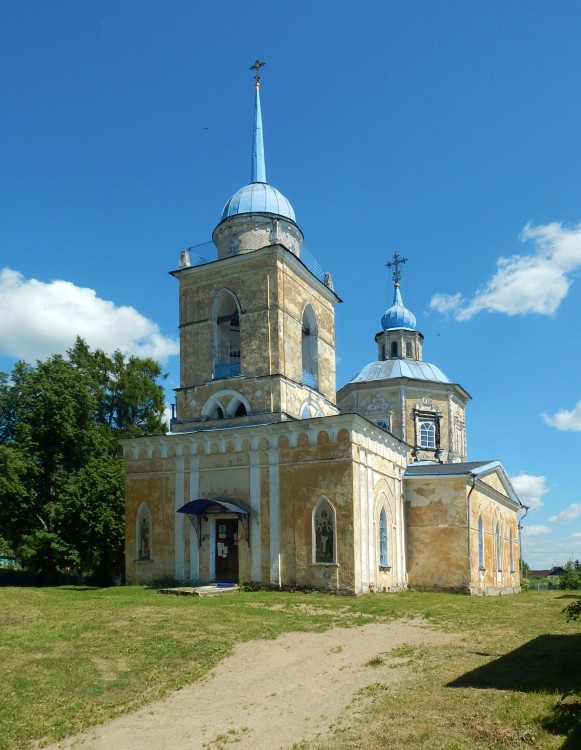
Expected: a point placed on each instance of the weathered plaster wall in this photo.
(436, 529)
(443, 545)
(279, 471)
(492, 577)
(273, 290)
(395, 400)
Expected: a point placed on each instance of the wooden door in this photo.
(226, 550)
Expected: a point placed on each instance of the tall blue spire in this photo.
(258, 164)
(258, 196)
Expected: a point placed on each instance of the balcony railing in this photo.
(310, 379)
(227, 370)
(199, 255)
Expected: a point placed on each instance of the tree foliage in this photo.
(571, 578)
(61, 473)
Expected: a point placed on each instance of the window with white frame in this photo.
(480, 544)
(225, 405)
(310, 409)
(383, 548)
(427, 433)
(498, 546)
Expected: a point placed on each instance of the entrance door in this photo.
(226, 550)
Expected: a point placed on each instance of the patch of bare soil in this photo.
(268, 695)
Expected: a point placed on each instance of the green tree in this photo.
(571, 578)
(61, 475)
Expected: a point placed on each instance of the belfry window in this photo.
(409, 349)
(394, 352)
(226, 319)
(309, 348)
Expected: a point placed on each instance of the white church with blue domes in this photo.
(269, 475)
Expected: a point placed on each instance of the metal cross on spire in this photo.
(256, 68)
(396, 263)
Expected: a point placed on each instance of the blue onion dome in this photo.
(258, 197)
(398, 316)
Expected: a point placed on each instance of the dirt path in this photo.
(267, 696)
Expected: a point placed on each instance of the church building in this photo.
(271, 476)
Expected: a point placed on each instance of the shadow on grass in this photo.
(569, 596)
(547, 664)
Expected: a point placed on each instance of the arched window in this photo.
(324, 532)
(409, 352)
(225, 405)
(310, 409)
(383, 549)
(498, 547)
(427, 433)
(225, 316)
(480, 544)
(309, 348)
(394, 349)
(143, 533)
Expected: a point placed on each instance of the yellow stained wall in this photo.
(272, 295)
(436, 532)
(443, 543)
(308, 463)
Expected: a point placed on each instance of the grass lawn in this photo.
(71, 657)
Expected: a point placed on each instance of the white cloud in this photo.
(535, 530)
(446, 303)
(535, 283)
(38, 319)
(571, 512)
(530, 489)
(167, 415)
(565, 420)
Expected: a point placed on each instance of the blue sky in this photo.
(448, 132)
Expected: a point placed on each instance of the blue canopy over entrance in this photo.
(204, 507)
(211, 507)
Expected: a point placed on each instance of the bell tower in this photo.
(257, 331)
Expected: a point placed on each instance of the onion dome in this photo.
(398, 316)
